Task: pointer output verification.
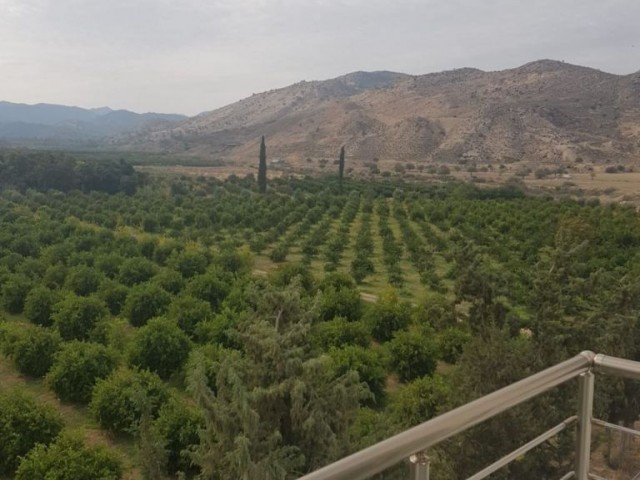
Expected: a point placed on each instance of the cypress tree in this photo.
(341, 164)
(262, 168)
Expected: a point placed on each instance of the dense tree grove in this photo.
(233, 332)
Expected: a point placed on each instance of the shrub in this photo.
(14, 292)
(38, 305)
(34, 349)
(188, 312)
(136, 270)
(23, 424)
(76, 368)
(113, 294)
(119, 401)
(75, 317)
(212, 287)
(144, 302)
(178, 424)
(83, 280)
(369, 364)
(412, 355)
(188, 263)
(339, 332)
(69, 459)
(160, 346)
(387, 316)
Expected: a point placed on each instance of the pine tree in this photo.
(262, 167)
(341, 165)
(276, 411)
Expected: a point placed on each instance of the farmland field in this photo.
(163, 317)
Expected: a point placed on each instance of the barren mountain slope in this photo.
(544, 111)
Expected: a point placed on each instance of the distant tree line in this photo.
(57, 171)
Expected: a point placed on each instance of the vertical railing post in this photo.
(419, 466)
(585, 410)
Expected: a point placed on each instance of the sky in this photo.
(189, 56)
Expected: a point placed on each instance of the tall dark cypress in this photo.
(262, 167)
(341, 164)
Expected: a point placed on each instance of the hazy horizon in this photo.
(194, 56)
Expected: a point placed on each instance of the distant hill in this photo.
(545, 111)
(21, 122)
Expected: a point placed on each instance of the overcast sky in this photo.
(187, 56)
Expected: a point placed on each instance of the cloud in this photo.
(195, 55)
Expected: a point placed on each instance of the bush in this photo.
(169, 280)
(188, 312)
(76, 317)
(188, 263)
(178, 424)
(212, 287)
(34, 349)
(412, 355)
(339, 332)
(136, 270)
(113, 294)
(119, 401)
(419, 401)
(83, 280)
(369, 364)
(23, 424)
(69, 459)
(76, 368)
(38, 305)
(14, 292)
(387, 316)
(160, 346)
(144, 302)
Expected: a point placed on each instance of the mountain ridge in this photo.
(544, 111)
(21, 121)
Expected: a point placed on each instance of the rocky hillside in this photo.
(545, 111)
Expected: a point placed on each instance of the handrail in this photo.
(413, 442)
(387, 453)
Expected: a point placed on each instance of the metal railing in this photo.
(412, 444)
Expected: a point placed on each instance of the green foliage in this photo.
(160, 346)
(189, 263)
(339, 332)
(188, 312)
(170, 280)
(57, 171)
(14, 292)
(369, 364)
(262, 167)
(119, 401)
(212, 287)
(33, 350)
(136, 270)
(339, 298)
(412, 354)
(38, 305)
(113, 294)
(82, 280)
(23, 424)
(76, 369)
(451, 344)
(179, 425)
(418, 401)
(69, 459)
(276, 383)
(387, 316)
(76, 317)
(144, 302)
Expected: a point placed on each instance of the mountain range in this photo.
(545, 111)
(58, 123)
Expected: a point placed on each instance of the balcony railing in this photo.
(413, 444)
